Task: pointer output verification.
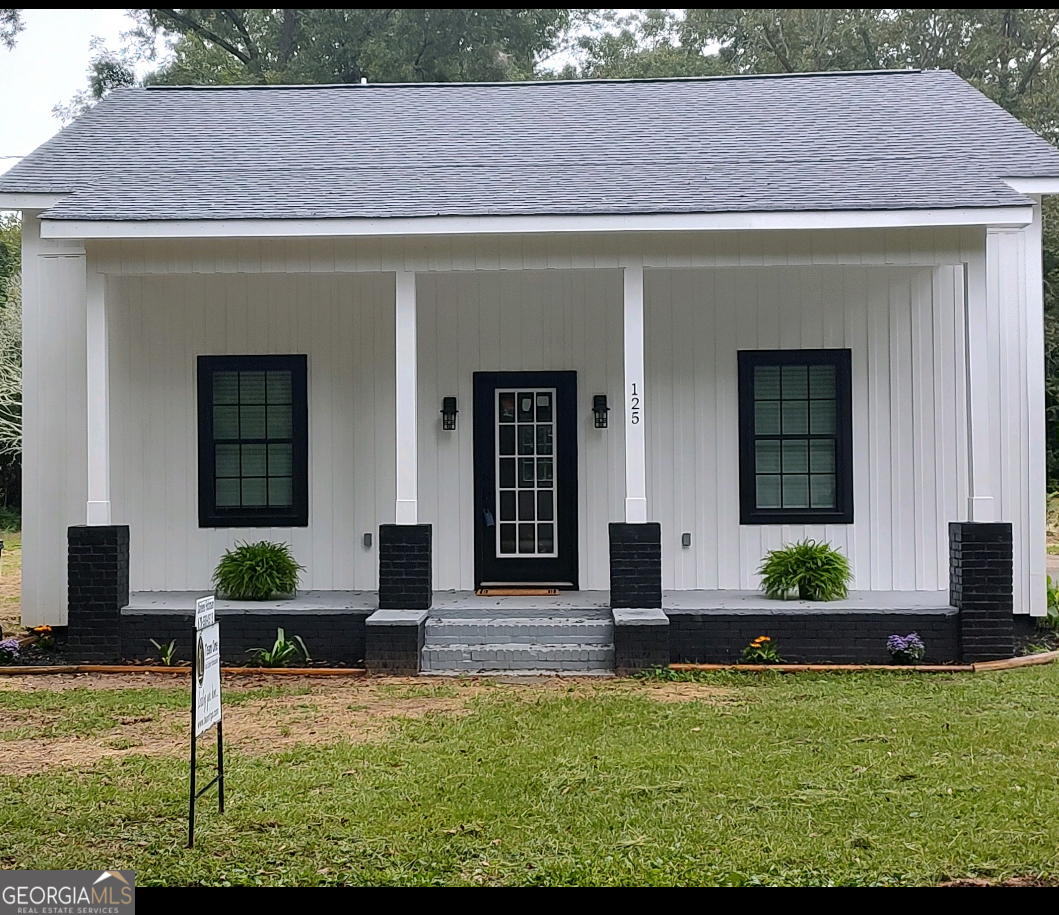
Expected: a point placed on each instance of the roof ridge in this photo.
(541, 83)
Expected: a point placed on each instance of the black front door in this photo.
(525, 478)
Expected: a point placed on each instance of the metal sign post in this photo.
(206, 701)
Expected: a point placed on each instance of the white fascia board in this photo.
(1033, 185)
(29, 201)
(534, 225)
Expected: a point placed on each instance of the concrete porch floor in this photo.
(566, 601)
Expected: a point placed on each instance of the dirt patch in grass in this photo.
(11, 585)
(323, 712)
(298, 711)
(685, 692)
(1010, 881)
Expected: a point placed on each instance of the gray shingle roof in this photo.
(856, 141)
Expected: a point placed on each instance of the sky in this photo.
(47, 66)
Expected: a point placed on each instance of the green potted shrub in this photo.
(816, 571)
(257, 571)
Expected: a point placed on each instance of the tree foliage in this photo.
(346, 45)
(10, 26)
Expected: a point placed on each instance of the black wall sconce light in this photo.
(600, 410)
(448, 413)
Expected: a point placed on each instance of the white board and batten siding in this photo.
(894, 297)
(159, 325)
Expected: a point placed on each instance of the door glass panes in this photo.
(525, 478)
(253, 439)
(795, 429)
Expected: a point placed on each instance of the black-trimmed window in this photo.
(795, 437)
(253, 441)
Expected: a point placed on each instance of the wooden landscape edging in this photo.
(1030, 660)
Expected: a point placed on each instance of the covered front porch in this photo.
(653, 324)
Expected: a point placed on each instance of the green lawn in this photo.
(807, 779)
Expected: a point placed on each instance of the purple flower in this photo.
(9, 647)
(910, 644)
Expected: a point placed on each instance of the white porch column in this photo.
(1038, 482)
(98, 382)
(635, 449)
(980, 335)
(407, 443)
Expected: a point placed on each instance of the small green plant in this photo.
(166, 653)
(257, 571)
(761, 651)
(817, 571)
(282, 652)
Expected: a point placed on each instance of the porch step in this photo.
(488, 642)
(556, 631)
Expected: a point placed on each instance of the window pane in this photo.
(766, 382)
(768, 456)
(525, 472)
(526, 500)
(767, 417)
(279, 422)
(544, 471)
(507, 439)
(768, 491)
(278, 387)
(527, 538)
(545, 507)
(507, 407)
(545, 538)
(280, 460)
(507, 538)
(226, 387)
(507, 473)
(795, 456)
(795, 417)
(251, 387)
(795, 382)
(795, 492)
(227, 461)
(507, 506)
(525, 439)
(823, 490)
(544, 408)
(822, 381)
(544, 439)
(227, 493)
(525, 406)
(280, 492)
(225, 422)
(823, 417)
(254, 461)
(251, 422)
(254, 494)
(822, 455)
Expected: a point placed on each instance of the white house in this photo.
(718, 314)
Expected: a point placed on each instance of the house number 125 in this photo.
(634, 406)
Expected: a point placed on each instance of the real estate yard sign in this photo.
(207, 685)
(206, 700)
